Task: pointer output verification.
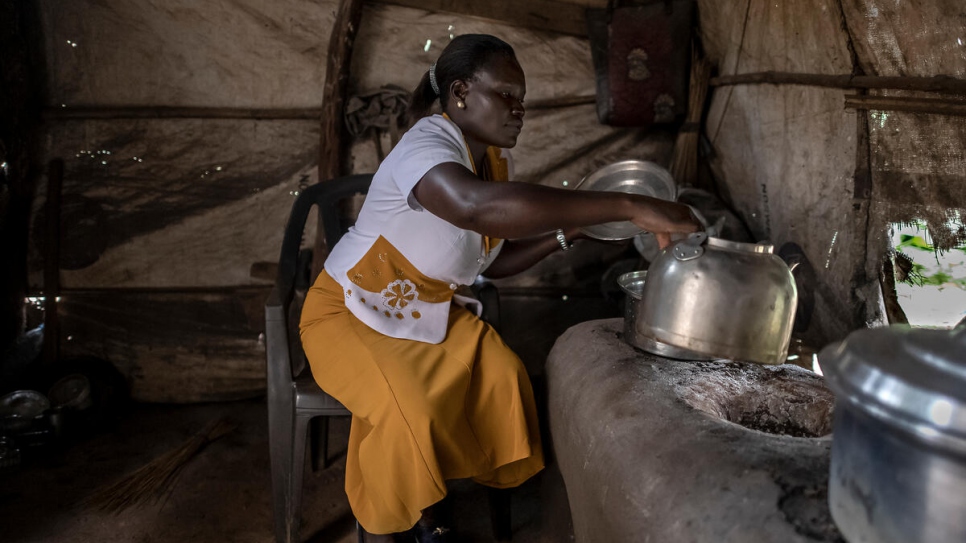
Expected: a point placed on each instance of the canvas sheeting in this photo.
(195, 203)
(163, 216)
(787, 154)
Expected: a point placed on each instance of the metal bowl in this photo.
(632, 177)
(632, 283)
(23, 403)
(20, 408)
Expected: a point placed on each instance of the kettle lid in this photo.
(913, 378)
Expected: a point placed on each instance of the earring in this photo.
(460, 104)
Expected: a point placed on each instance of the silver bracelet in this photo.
(563, 241)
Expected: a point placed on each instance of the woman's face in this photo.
(494, 104)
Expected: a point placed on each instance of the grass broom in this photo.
(684, 160)
(154, 480)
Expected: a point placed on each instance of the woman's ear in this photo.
(458, 90)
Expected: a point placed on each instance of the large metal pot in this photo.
(632, 283)
(707, 297)
(898, 469)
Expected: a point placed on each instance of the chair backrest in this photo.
(327, 196)
(294, 263)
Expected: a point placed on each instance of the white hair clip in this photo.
(432, 79)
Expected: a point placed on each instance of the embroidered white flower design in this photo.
(399, 294)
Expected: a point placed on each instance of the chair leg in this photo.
(499, 499)
(294, 514)
(281, 426)
(319, 443)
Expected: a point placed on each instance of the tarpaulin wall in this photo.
(787, 154)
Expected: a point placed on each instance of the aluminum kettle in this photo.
(707, 297)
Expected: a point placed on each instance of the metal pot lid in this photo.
(911, 378)
(629, 176)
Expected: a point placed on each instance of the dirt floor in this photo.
(223, 492)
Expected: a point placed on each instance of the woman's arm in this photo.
(520, 254)
(514, 210)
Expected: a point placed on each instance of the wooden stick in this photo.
(861, 220)
(939, 83)
(333, 127)
(152, 112)
(135, 291)
(901, 103)
(55, 182)
(561, 102)
(267, 114)
(336, 84)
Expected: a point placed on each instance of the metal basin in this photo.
(632, 283)
(632, 177)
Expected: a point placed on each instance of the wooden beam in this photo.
(561, 102)
(55, 182)
(333, 131)
(22, 147)
(936, 106)
(341, 40)
(939, 83)
(864, 281)
(75, 113)
(163, 112)
(547, 15)
(172, 345)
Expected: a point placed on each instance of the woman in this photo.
(434, 392)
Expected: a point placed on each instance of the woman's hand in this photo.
(663, 219)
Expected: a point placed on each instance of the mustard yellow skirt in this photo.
(421, 413)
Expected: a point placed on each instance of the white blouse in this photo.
(400, 265)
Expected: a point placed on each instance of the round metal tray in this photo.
(628, 176)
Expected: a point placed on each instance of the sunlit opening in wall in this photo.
(930, 284)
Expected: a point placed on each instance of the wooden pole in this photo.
(561, 102)
(22, 88)
(332, 132)
(149, 112)
(51, 346)
(336, 85)
(939, 83)
(936, 106)
(75, 113)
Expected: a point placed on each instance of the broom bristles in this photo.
(684, 160)
(155, 479)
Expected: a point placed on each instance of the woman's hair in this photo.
(462, 59)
